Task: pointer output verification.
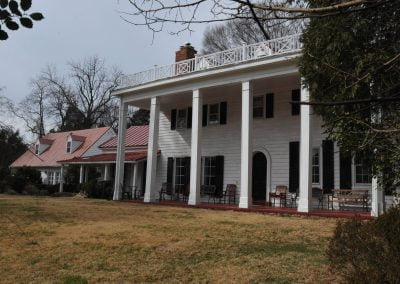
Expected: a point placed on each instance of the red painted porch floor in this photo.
(364, 215)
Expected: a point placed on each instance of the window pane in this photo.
(258, 106)
(315, 166)
(214, 114)
(181, 120)
(363, 172)
(208, 171)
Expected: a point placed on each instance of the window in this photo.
(181, 119)
(37, 149)
(57, 178)
(315, 166)
(213, 116)
(258, 106)
(180, 172)
(363, 171)
(209, 171)
(51, 178)
(69, 147)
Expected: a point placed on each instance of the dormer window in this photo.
(69, 147)
(37, 149)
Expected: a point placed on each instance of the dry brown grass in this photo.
(62, 239)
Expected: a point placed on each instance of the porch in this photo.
(264, 209)
(241, 120)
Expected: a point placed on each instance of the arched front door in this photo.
(259, 177)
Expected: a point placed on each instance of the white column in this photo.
(305, 153)
(135, 174)
(195, 159)
(119, 164)
(62, 178)
(246, 146)
(81, 174)
(150, 192)
(107, 172)
(86, 173)
(377, 199)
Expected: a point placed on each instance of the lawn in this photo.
(64, 240)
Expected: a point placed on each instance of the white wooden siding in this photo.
(272, 134)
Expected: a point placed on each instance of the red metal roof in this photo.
(57, 150)
(135, 136)
(46, 141)
(111, 157)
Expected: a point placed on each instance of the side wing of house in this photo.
(95, 148)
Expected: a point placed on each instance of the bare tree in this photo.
(237, 32)
(32, 110)
(180, 15)
(57, 94)
(86, 92)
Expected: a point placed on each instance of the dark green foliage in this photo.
(72, 174)
(367, 252)
(22, 177)
(11, 146)
(351, 57)
(101, 189)
(26, 22)
(12, 10)
(139, 117)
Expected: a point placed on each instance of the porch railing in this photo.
(237, 55)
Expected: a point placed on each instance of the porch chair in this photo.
(318, 193)
(182, 191)
(207, 191)
(280, 194)
(166, 189)
(126, 191)
(230, 193)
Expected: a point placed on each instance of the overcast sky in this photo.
(75, 29)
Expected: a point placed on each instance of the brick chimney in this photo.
(185, 52)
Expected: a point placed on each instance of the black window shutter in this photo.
(219, 172)
(173, 119)
(205, 115)
(170, 170)
(187, 170)
(294, 166)
(327, 165)
(269, 105)
(223, 110)
(295, 98)
(189, 117)
(345, 171)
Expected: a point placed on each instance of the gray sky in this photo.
(75, 29)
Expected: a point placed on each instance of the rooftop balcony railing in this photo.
(261, 50)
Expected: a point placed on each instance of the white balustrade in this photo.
(237, 55)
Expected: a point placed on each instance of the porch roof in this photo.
(107, 158)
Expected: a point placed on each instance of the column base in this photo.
(194, 200)
(378, 210)
(244, 202)
(304, 205)
(148, 199)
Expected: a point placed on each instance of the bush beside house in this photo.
(367, 251)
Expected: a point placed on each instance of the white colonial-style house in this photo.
(227, 119)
